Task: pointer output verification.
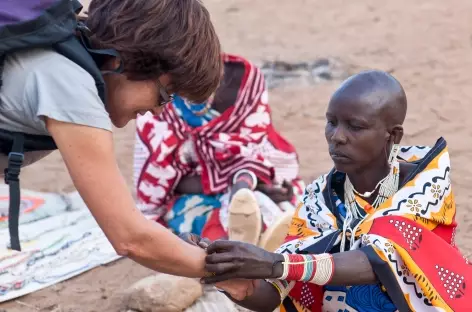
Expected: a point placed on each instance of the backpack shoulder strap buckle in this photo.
(15, 161)
(16, 158)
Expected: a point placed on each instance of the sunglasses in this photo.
(164, 97)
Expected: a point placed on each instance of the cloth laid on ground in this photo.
(242, 137)
(59, 237)
(409, 240)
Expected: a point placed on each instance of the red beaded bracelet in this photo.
(316, 269)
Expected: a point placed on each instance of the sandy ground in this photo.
(425, 43)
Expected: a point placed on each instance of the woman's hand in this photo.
(278, 194)
(190, 184)
(232, 260)
(194, 239)
(238, 289)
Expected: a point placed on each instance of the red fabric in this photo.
(289, 238)
(447, 233)
(213, 230)
(310, 296)
(447, 260)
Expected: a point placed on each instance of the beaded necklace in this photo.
(387, 187)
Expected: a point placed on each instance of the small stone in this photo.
(162, 293)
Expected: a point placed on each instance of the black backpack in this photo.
(27, 24)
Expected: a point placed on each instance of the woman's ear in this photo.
(112, 65)
(116, 63)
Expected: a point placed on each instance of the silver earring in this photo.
(393, 153)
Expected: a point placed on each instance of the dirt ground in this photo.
(426, 44)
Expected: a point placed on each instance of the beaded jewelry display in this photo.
(316, 269)
(201, 109)
(388, 186)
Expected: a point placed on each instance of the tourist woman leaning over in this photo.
(150, 49)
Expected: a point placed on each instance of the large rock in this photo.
(162, 293)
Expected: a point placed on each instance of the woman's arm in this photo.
(231, 260)
(89, 156)
(352, 268)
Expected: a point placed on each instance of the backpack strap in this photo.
(2, 64)
(31, 142)
(78, 50)
(14, 144)
(12, 173)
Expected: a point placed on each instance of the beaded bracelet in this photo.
(251, 180)
(316, 269)
(283, 287)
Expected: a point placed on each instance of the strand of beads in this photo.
(387, 186)
(246, 176)
(283, 287)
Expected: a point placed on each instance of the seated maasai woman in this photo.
(198, 165)
(374, 234)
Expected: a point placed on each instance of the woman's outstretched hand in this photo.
(238, 289)
(194, 239)
(228, 260)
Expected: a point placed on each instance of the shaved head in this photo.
(380, 90)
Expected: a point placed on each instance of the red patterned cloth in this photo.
(242, 137)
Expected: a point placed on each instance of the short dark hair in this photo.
(155, 37)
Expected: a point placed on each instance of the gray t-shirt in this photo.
(42, 83)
